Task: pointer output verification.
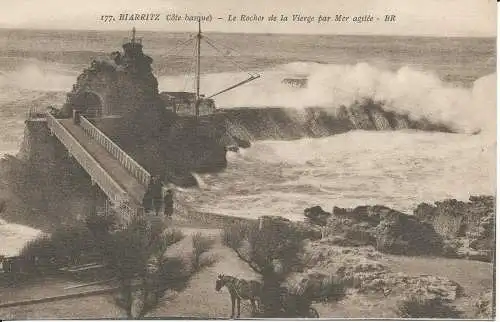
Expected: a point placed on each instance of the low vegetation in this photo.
(65, 246)
(201, 245)
(419, 307)
(136, 257)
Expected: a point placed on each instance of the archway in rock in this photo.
(89, 104)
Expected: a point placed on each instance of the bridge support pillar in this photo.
(94, 199)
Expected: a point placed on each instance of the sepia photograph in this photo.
(228, 159)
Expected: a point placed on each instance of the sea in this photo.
(448, 80)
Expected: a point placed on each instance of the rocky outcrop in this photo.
(295, 82)
(361, 270)
(44, 192)
(467, 227)
(277, 123)
(484, 305)
(305, 230)
(318, 287)
(386, 229)
(317, 216)
(449, 228)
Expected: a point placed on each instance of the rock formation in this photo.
(485, 305)
(467, 227)
(317, 216)
(360, 269)
(449, 228)
(388, 230)
(277, 123)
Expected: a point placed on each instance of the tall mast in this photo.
(198, 67)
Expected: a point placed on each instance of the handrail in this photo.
(35, 110)
(127, 161)
(127, 212)
(93, 168)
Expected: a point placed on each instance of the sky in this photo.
(413, 17)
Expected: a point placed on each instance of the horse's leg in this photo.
(258, 301)
(254, 307)
(239, 302)
(233, 299)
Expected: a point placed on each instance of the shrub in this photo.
(332, 289)
(484, 305)
(65, 246)
(201, 245)
(277, 242)
(137, 256)
(319, 287)
(418, 307)
(273, 249)
(99, 224)
(233, 235)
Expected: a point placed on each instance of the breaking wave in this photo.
(408, 91)
(37, 76)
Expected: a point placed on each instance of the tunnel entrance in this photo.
(89, 104)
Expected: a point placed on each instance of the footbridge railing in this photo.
(36, 112)
(93, 168)
(130, 164)
(127, 212)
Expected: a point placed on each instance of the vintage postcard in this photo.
(227, 159)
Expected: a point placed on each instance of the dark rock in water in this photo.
(282, 123)
(194, 147)
(317, 215)
(295, 82)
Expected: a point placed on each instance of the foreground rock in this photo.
(484, 305)
(361, 270)
(317, 216)
(449, 228)
(307, 231)
(388, 230)
(466, 227)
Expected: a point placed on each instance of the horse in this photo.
(240, 289)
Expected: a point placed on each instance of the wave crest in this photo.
(36, 76)
(408, 91)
